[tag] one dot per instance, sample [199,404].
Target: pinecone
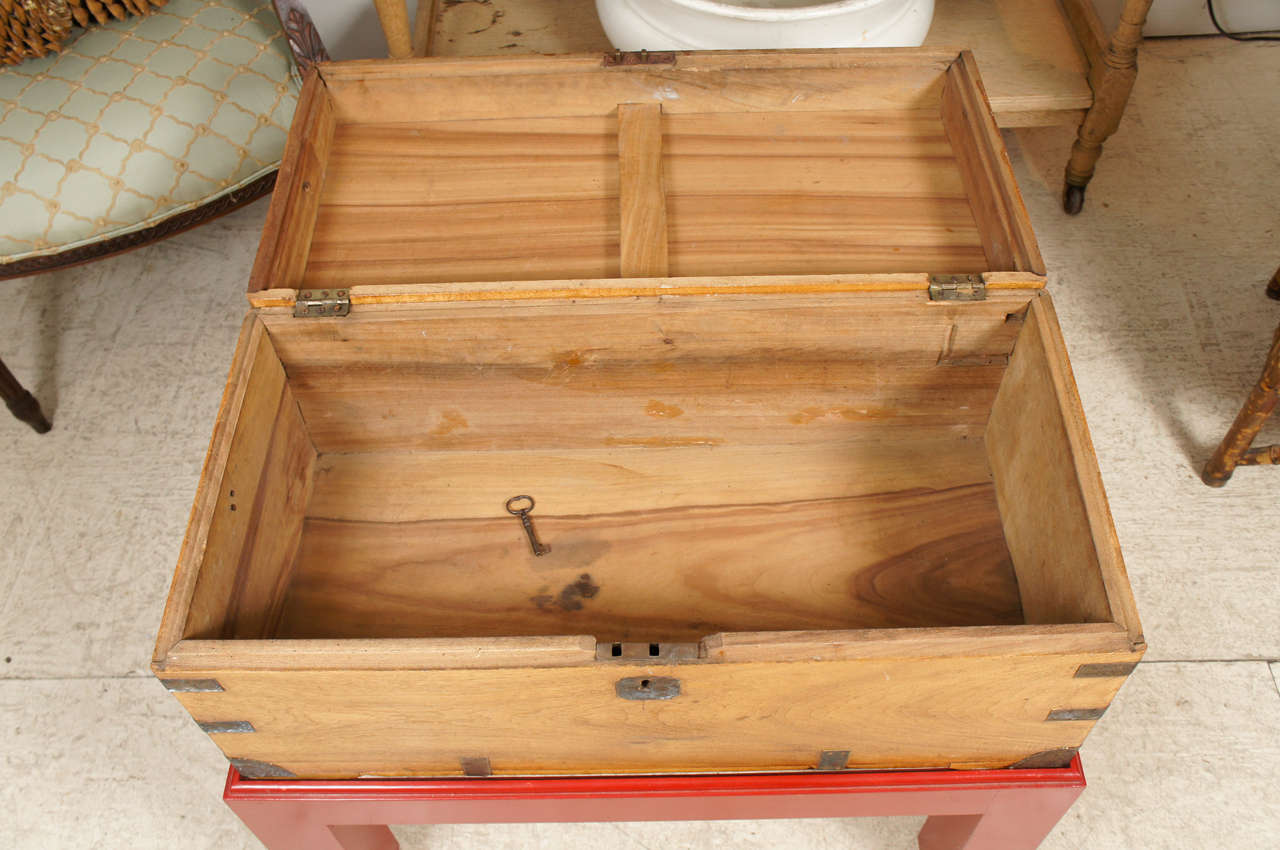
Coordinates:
[32,28]
[88,11]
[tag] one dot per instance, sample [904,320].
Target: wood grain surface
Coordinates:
[608,373]
[286,236]
[912,710]
[928,557]
[205,508]
[384,92]
[754,193]
[642,189]
[997,205]
[229,534]
[412,486]
[1038,466]
[1033,67]
[275,531]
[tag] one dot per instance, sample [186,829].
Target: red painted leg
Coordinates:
[365,837]
[281,825]
[1017,819]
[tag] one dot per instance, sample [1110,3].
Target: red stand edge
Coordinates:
[1012,809]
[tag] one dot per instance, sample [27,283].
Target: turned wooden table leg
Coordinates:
[1112,80]
[1234,450]
[22,404]
[1273,286]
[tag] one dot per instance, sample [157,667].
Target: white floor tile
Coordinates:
[109,763]
[1187,756]
[1159,285]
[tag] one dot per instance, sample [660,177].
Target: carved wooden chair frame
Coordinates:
[307,49]
[1235,449]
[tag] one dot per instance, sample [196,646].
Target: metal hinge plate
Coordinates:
[957,287]
[321,303]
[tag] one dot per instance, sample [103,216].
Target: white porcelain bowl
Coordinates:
[763,24]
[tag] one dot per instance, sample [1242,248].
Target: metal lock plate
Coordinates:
[648,687]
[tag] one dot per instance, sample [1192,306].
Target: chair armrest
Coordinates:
[304,40]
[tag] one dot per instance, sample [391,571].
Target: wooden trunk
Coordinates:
[807,507]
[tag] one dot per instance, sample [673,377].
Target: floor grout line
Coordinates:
[4,679]
[1259,660]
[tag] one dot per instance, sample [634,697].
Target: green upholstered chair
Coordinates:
[142,128]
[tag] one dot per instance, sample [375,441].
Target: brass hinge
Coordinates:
[319,303]
[641,57]
[957,287]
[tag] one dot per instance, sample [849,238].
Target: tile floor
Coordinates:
[1160,290]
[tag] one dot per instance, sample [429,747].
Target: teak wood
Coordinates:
[1046,61]
[796,505]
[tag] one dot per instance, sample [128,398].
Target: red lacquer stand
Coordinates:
[967,809]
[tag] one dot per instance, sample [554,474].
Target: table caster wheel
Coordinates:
[1072,199]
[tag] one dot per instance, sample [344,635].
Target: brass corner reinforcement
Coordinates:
[254,769]
[192,686]
[1106,670]
[476,766]
[957,287]
[225,727]
[321,303]
[1074,714]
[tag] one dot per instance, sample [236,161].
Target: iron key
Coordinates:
[523,513]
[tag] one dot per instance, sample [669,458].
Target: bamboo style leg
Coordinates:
[22,404]
[394,17]
[1112,82]
[1234,450]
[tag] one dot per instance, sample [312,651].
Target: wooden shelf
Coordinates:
[1034,71]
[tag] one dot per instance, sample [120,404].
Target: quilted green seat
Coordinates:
[138,121]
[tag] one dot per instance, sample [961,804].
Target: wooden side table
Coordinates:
[1043,62]
[1011,809]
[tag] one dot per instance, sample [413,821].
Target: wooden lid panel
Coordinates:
[558,168]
